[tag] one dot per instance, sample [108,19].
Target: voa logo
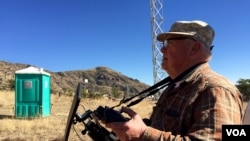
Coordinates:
[236,132]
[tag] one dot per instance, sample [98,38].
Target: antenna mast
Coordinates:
[156,8]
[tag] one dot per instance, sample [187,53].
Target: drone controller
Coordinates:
[90,119]
[108,115]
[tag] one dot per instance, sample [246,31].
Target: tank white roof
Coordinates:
[31,70]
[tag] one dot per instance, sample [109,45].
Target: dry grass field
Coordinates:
[50,128]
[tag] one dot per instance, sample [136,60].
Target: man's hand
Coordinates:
[130,130]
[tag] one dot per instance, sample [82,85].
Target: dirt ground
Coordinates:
[52,128]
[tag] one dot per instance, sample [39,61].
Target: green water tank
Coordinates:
[32,93]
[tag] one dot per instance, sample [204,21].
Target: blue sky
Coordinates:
[63,35]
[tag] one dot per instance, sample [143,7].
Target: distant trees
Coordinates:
[242,84]
[244,87]
[116,92]
[11,84]
[8,85]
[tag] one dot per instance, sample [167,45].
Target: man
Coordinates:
[197,102]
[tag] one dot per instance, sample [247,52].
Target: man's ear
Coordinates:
[196,48]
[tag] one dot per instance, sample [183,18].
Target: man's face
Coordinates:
[176,55]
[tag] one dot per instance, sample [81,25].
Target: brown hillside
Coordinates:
[100,80]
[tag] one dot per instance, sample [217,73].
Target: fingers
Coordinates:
[116,125]
[126,110]
[129,111]
[132,114]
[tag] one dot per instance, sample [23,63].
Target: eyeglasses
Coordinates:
[165,42]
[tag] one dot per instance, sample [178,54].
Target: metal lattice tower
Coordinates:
[156,8]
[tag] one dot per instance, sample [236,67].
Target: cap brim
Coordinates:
[164,36]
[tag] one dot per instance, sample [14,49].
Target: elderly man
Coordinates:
[197,102]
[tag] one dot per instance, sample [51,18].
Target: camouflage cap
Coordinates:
[196,29]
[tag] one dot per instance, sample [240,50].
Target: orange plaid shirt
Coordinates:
[196,109]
